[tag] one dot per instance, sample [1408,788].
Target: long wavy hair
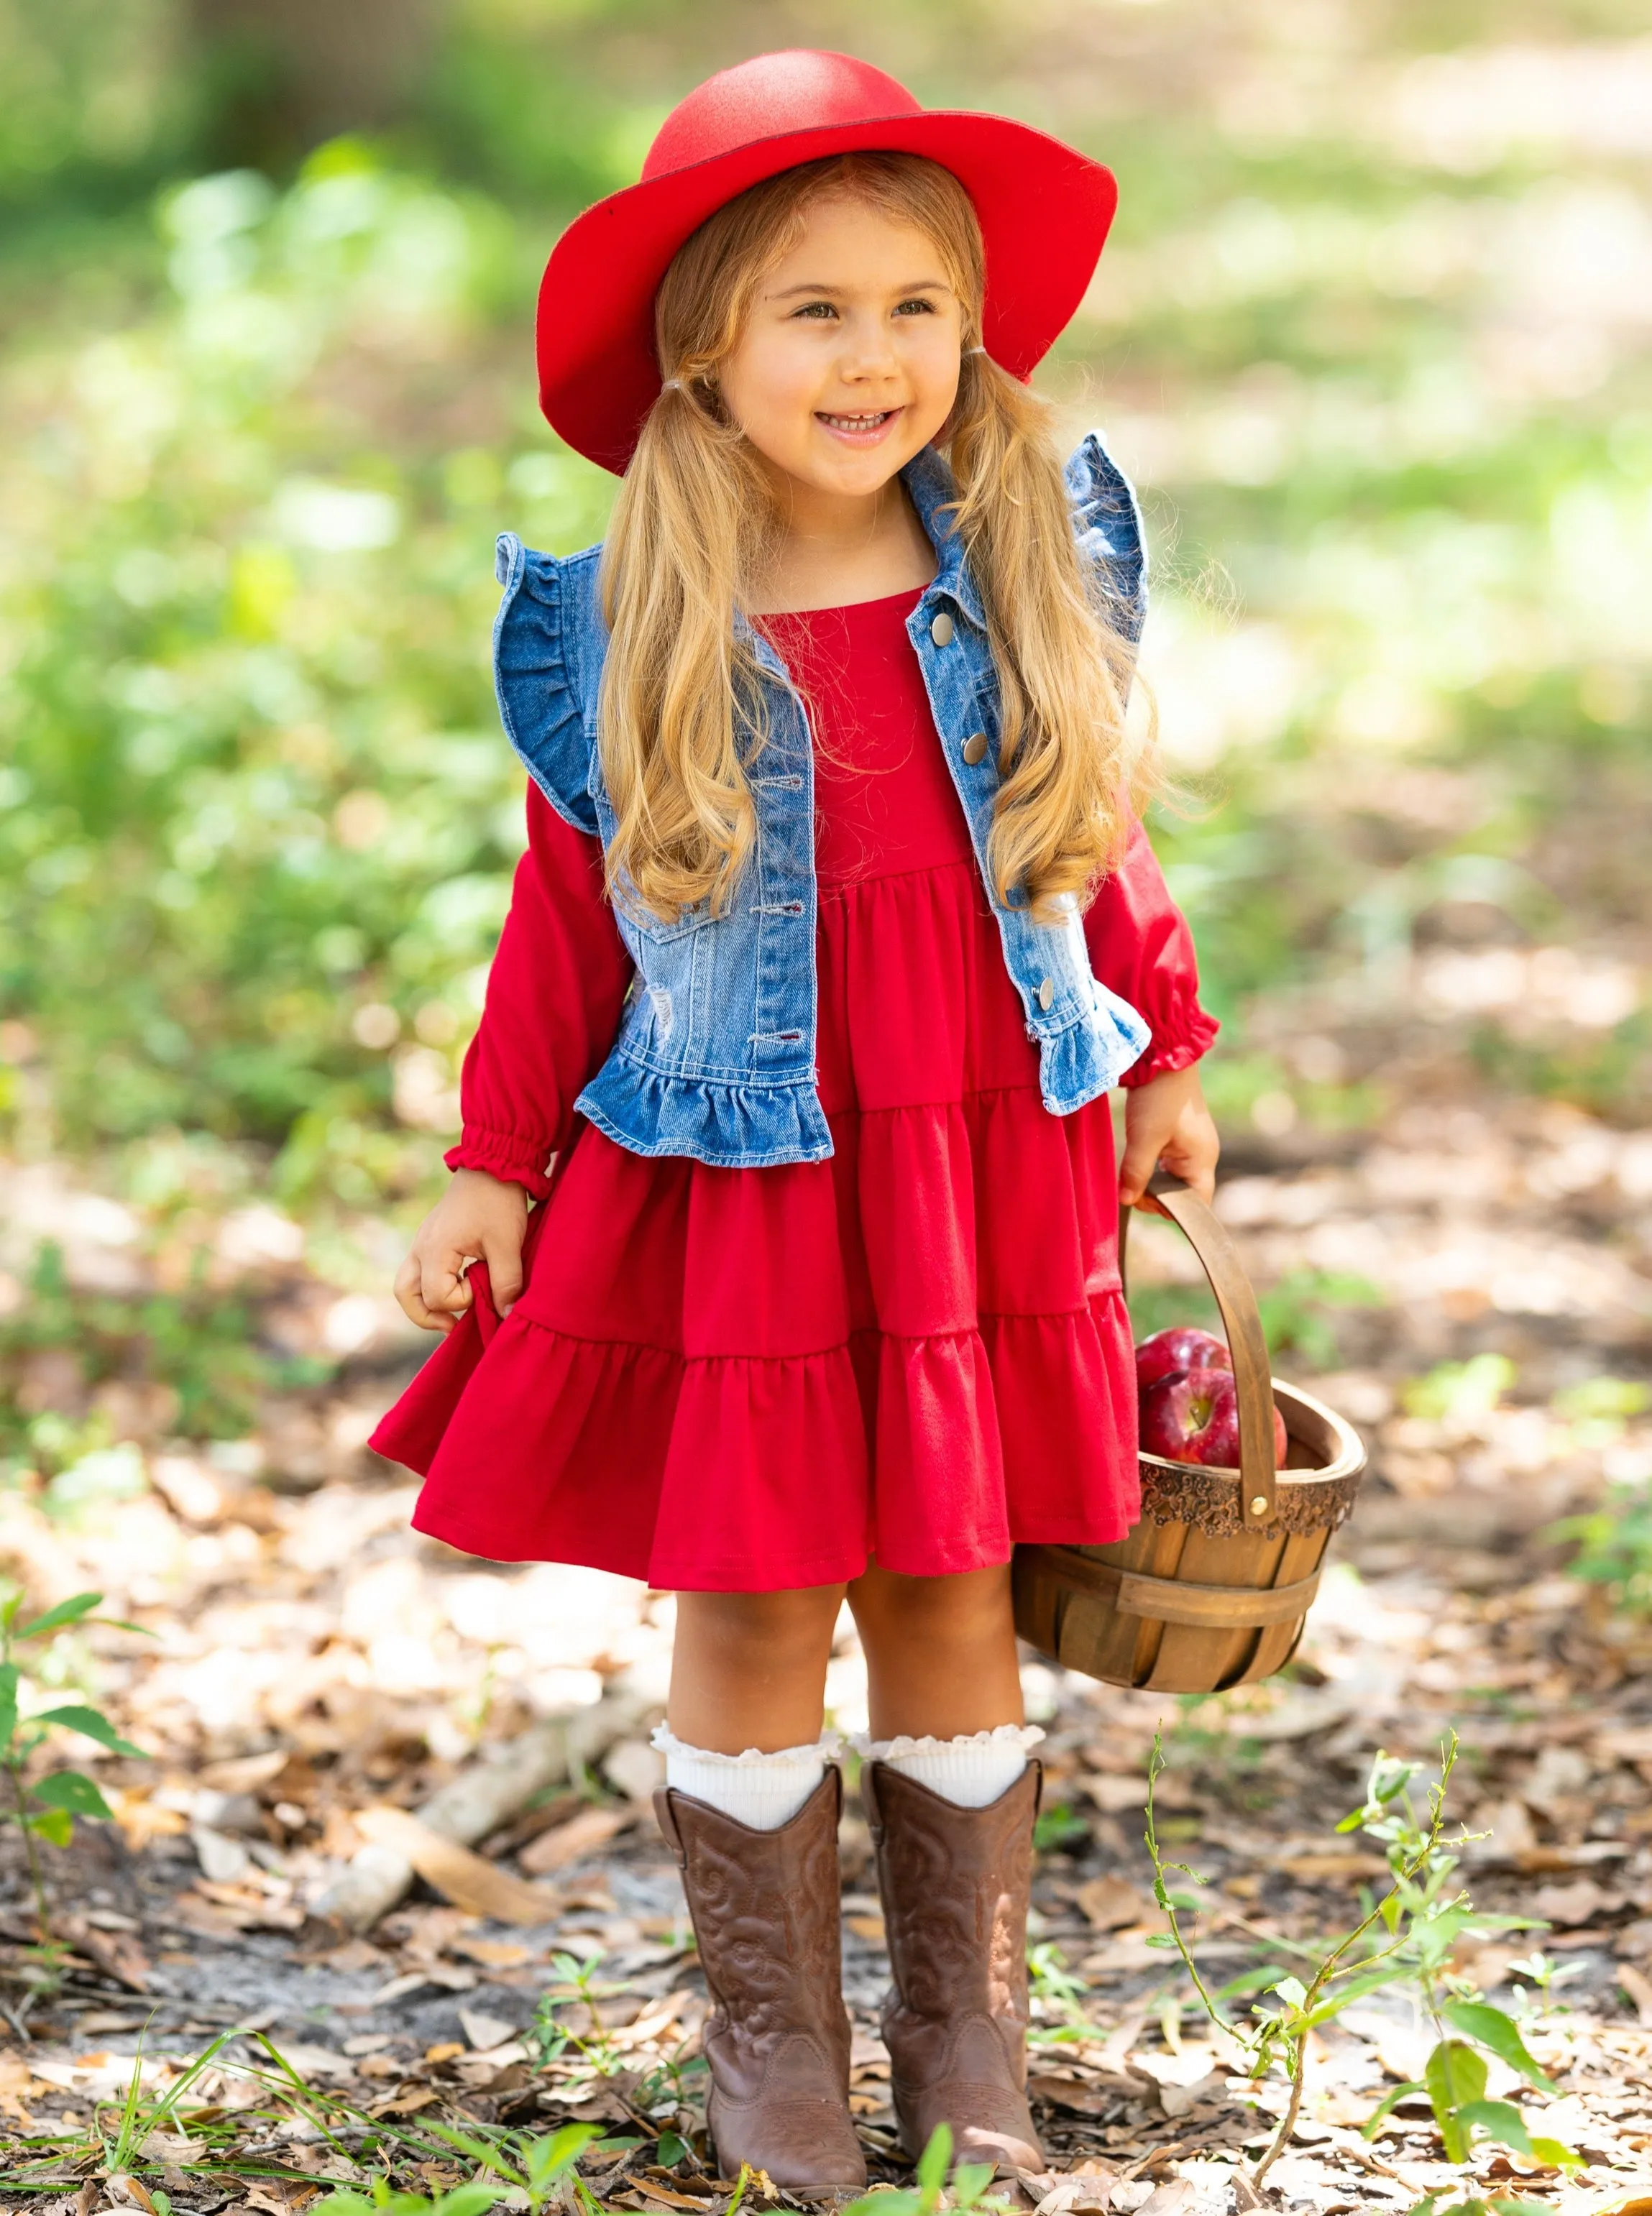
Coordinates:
[680,697]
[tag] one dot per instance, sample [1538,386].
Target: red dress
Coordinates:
[745,1380]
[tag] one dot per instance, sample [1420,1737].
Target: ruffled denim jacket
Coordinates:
[715,1057]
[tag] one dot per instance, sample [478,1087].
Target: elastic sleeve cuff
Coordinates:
[1170,1052]
[504,1155]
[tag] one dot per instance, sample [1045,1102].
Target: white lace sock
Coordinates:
[971,1771]
[762,1791]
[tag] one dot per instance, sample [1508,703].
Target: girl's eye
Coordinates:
[815,310]
[918,307]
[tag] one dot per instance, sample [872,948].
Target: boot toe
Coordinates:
[1005,2149]
[806,2147]
[990,2123]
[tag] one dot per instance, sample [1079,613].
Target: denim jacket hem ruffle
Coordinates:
[758,1126]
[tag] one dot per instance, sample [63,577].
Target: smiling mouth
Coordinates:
[866,424]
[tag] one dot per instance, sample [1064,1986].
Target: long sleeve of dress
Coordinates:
[1141,948]
[555,992]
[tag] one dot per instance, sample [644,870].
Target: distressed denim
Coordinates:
[716,1053]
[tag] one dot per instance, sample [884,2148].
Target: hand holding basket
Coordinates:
[1213,1585]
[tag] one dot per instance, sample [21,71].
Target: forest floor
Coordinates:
[309,1673]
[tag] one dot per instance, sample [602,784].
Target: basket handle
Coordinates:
[1219,1258]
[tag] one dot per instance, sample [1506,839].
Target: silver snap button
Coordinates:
[975,747]
[1046,992]
[941,630]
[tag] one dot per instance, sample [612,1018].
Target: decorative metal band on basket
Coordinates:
[1213,1585]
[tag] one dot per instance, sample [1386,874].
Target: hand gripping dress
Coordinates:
[748,1380]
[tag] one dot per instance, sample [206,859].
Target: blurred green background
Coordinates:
[1374,334]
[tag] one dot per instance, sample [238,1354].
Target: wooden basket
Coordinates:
[1213,1585]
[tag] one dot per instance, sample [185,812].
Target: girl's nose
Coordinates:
[868,351]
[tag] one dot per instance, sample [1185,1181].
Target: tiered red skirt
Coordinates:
[747,1380]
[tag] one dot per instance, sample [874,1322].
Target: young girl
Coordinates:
[786,1146]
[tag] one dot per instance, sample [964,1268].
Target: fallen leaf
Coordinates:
[1634,1940]
[469,1880]
[1170,2199]
[484,2031]
[1638,1986]
[1180,2100]
[1570,1907]
[638,1769]
[1110,1902]
[1511,1832]
[1088,2096]
[587,1833]
[492,1954]
[117,1954]
[1334,1869]
[1114,1795]
[1069,2196]
[869,1928]
[407,2104]
[658,2016]
[666,2196]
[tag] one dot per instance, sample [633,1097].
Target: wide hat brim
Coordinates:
[1045,210]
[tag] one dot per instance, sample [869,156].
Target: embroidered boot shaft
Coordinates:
[765,1910]
[955,1885]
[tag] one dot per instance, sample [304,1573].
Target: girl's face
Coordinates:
[849,363]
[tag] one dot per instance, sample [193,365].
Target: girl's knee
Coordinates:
[771,1627]
[967,1607]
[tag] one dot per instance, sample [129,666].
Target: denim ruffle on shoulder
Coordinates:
[534,635]
[1107,523]
[1089,1057]
[752,1125]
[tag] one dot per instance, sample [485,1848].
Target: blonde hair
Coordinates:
[695,515]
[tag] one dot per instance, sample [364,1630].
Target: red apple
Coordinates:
[1182,1347]
[1192,1415]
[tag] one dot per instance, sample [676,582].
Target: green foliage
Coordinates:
[196,1342]
[260,823]
[1060,1828]
[1292,1311]
[1614,1546]
[1460,1392]
[529,2173]
[45,1807]
[1407,1937]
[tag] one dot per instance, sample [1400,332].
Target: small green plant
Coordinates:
[548,2035]
[1407,1936]
[529,2174]
[933,2189]
[45,1807]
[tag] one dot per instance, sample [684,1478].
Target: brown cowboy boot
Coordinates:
[955,1883]
[765,1909]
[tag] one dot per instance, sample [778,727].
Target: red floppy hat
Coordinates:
[1044,210]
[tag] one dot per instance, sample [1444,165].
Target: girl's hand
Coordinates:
[478,1218]
[1166,1121]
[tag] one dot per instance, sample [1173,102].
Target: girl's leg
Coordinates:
[952,1821]
[750,1810]
[749,1668]
[940,1652]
